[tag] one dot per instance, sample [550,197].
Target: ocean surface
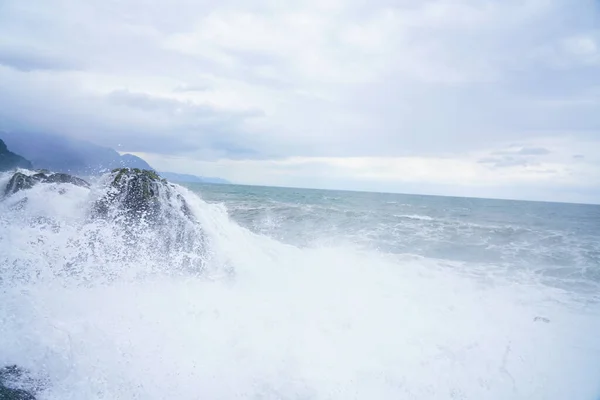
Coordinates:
[303,294]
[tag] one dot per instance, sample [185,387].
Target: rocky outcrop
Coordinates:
[144,210]
[20,181]
[133,191]
[7,393]
[10,160]
[139,193]
[137,190]
[151,212]
[158,227]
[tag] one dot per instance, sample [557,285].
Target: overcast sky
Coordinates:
[492,98]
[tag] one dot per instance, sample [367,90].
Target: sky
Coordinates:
[485,98]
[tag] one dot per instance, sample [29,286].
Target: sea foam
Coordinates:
[268,320]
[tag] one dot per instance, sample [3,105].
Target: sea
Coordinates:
[303,294]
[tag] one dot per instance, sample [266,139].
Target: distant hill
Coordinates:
[131,161]
[10,160]
[61,154]
[77,157]
[185,178]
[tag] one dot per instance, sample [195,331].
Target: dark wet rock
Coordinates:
[151,213]
[137,190]
[139,193]
[19,181]
[63,178]
[10,160]
[16,384]
[148,218]
[14,394]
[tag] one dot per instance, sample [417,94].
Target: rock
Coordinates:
[10,160]
[19,181]
[150,212]
[12,382]
[148,219]
[138,192]
[63,178]
[132,190]
[14,394]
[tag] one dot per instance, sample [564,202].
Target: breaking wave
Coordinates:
[196,306]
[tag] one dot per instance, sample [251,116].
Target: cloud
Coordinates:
[515,156]
[34,59]
[533,151]
[577,50]
[232,81]
[186,88]
[148,103]
[122,119]
[517,151]
[507,161]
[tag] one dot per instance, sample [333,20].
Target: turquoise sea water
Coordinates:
[303,294]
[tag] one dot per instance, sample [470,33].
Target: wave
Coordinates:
[415,217]
[263,319]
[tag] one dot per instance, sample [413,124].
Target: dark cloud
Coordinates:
[27,59]
[533,151]
[516,156]
[127,121]
[523,151]
[197,126]
[199,129]
[505,161]
[146,102]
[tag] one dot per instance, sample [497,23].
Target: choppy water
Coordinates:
[306,294]
[558,243]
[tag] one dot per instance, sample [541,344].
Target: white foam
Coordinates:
[415,217]
[273,321]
